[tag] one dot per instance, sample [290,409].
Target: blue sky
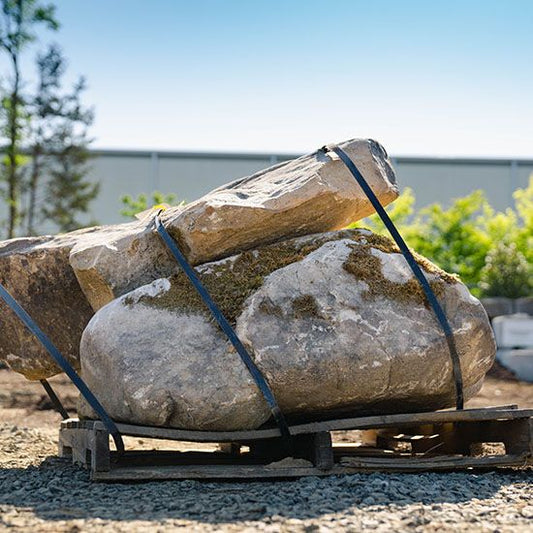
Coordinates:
[423,77]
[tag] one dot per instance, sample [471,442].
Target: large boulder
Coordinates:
[37,273]
[336,322]
[313,193]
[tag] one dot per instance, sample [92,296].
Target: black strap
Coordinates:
[56,402]
[417,271]
[227,329]
[65,366]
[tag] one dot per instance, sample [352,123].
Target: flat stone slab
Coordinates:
[313,193]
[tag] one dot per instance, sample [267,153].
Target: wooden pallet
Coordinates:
[414,442]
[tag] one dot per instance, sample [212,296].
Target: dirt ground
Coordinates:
[25,403]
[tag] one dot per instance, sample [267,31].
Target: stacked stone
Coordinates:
[333,318]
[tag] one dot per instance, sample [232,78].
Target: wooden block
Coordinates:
[64,445]
[316,447]
[231,448]
[323,451]
[517,435]
[100,453]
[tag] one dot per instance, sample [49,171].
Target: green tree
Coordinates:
[59,147]
[454,238]
[524,207]
[506,272]
[68,193]
[45,109]
[18,23]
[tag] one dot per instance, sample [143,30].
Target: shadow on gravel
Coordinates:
[57,490]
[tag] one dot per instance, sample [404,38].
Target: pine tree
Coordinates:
[67,192]
[58,148]
[45,110]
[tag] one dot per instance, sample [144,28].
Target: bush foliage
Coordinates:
[491,251]
[506,272]
[133,206]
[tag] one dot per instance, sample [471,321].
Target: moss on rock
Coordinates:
[367,267]
[305,306]
[230,282]
[270,308]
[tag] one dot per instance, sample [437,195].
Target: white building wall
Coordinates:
[190,175]
[442,180]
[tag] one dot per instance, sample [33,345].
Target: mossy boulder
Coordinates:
[335,321]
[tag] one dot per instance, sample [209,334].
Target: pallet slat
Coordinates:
[367,422]
[456,433]
[356,465]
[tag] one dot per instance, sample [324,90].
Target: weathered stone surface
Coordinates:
[336,322]
[118,259]
[310,194]
[37,273]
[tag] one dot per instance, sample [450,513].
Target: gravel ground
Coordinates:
[39,492]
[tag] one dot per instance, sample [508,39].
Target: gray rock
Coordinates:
[336,322]
[147,377]
[313,193]
[36,272]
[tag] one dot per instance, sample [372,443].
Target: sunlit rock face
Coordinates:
[313,193]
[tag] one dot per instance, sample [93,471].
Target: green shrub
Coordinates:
[506,273]
[454,238]
[524,208]
[459,239]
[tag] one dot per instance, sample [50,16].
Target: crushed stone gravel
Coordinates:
[40,492]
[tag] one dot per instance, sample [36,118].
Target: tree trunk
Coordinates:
[12,176]
[34,179]
[13,127]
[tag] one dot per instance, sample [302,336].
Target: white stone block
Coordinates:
[513,331]
[520,362]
